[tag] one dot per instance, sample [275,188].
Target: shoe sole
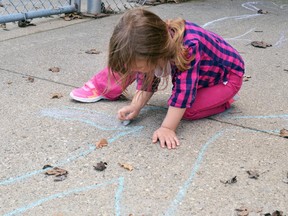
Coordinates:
[86,100]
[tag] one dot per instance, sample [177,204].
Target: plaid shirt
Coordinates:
[213,60]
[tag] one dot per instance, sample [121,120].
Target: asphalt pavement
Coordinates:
[233,163]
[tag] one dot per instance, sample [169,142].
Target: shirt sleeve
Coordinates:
[185,82]
[143,85]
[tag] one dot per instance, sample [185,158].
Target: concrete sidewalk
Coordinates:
[38,130]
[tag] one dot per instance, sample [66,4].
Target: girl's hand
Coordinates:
[128,112]
[166,137]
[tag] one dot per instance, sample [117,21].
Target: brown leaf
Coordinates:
[277,213]
[260,44]
[54,69]
[56,96]
[253,174]
[262,11]
[30,79]
[126,166]
[242,211]
[71,16]
[100,166]
[230,181]
[92,51]
[100,144]
[56,171]
[3,26]
[25,23]
[246,78]
[284,133]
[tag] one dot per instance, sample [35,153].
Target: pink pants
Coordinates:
[209,101]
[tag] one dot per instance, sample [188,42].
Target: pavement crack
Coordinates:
[36,77]
[242,126]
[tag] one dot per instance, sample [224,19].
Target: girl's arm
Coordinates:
[173,117]
[141,98]
[166,133]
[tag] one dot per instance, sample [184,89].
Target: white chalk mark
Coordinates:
[275,4]
[245,16]
[281,40]
[283,6]
[250,6]
[240,36]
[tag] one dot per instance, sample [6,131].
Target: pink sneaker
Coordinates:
[86,94]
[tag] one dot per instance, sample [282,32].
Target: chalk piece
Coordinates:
[125,123]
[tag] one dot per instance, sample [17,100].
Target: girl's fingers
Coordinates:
[162,142]
[129,115]
[120,115]
[177,141]
[154,137]
[171,142]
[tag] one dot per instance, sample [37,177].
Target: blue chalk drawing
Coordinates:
[99,120]
[118,193]
[66,114]
[96,119]
[83,152]
[281,116]
[105,122]
[254,7]
[183,190]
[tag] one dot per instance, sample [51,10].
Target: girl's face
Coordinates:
[142,66]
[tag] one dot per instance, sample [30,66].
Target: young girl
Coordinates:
[206,71]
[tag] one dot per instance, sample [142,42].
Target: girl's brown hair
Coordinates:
[141,34]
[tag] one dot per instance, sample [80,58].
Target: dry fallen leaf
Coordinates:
[275,213]
[246,78]
[3,26]
[92,51]
[278,213]
[284,133]
[56,171]
[262,11]
[100,166]
[230,181]
[56,96]
[242,211]
[260,44]
[126,166]
[253,174]
[25,23]
[30,79]
[103,142]
[54,69]
[60,174]
[71,16]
